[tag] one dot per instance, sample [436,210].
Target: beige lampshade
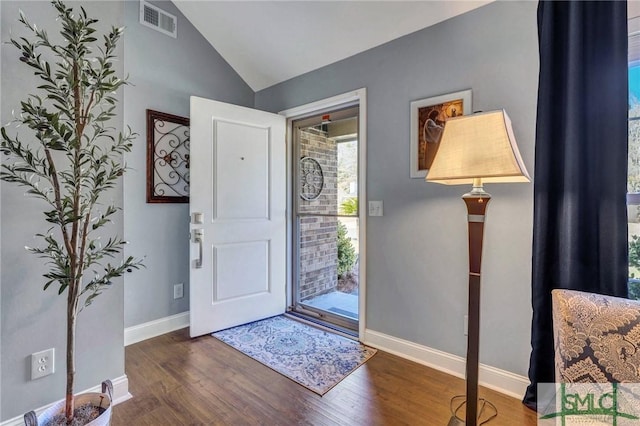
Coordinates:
[482,146]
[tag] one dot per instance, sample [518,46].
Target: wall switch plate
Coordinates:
[178,291]
[375,208]
[42,363]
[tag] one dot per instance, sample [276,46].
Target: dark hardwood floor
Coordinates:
[176,380]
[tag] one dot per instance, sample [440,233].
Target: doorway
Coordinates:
[325,225]
[227,286]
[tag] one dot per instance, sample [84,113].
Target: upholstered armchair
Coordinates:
[596,338]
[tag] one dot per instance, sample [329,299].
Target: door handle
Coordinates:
[198,237]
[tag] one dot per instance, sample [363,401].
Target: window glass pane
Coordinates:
[633,181]
[317,172]
[328,264]
[348,178]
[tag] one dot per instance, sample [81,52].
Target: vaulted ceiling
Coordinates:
[268,42]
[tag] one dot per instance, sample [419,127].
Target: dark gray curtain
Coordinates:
[580,216]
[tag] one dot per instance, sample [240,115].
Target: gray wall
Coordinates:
[164,73]
[417,253]
[33,320]
[417,279]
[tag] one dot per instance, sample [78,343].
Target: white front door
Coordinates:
[238,223]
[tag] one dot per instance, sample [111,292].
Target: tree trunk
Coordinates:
[71,363]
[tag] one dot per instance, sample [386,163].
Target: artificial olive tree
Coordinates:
[69,158]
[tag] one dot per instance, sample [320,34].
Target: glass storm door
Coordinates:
[325,220]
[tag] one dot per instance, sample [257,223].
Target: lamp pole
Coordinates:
[476,202]
[472,146]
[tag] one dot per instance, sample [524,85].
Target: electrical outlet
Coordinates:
[42,364]
[465,327]
[178,291]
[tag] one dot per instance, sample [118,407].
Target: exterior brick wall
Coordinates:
[318,234]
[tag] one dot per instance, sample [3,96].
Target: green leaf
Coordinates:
[71,160]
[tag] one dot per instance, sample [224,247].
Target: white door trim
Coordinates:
[357,97]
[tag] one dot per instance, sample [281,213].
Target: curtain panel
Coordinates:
[580,216]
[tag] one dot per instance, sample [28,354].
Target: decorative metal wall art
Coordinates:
[311,179]
[167,158]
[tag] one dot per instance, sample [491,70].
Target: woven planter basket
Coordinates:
[96,399]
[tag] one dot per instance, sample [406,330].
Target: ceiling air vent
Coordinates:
[156,18]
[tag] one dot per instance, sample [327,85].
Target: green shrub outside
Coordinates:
[349,206]
[346,252]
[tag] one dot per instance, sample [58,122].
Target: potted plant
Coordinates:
[71,159]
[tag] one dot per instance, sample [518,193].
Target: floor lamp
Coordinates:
[476,149]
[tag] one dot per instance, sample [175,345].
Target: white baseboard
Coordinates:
[120,394]
[150,329]
[499,380]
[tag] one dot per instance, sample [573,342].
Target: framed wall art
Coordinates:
[167,158]
[427,121]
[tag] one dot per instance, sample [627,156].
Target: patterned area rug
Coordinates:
[316,359]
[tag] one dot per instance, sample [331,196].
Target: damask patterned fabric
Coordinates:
[596,338]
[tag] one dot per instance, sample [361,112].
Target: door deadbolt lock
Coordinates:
[197,218]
